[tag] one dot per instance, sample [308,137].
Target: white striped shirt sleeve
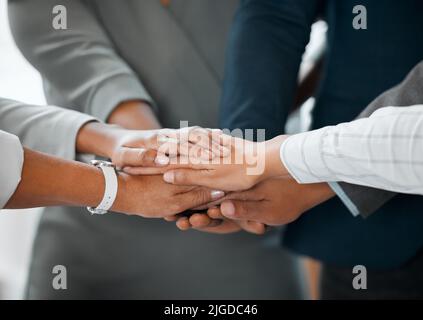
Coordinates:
[384,151]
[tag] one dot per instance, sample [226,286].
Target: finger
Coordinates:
[201,137]
[188,177]
[183,141]
[210,139]
[183,224]
[135,157]
[168,141]
[187,149]
[252,194]
[249,226]
[173,163]
[208,205]
[197,197]
[215,213]
[171,218]
[139,171]
[221,227]
[169,146]
[221,150]
[223,141]
[201,220]
[212,204]
[198,152]
[201,208]
[215,142]
[253,227]
[240,210]
[191,161]
[226,140]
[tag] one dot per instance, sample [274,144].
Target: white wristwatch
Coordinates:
[111,187]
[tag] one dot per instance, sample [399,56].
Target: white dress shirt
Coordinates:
[384,151]
[48,129]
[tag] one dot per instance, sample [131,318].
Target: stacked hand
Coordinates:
[235,166]
[273,202]
[259,190]
[140,148]
[153,150]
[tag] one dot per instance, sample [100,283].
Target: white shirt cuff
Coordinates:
[302,156]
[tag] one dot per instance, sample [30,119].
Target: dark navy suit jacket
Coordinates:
[264,53]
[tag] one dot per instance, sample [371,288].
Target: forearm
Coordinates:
[103,139]
[136,114]
[98,138]
[50,181]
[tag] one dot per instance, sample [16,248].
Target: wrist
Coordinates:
[123,197]
[85,175]
[98,138]
[274,167]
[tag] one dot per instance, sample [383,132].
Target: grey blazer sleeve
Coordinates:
[409,92]
[80,62]
[47,129]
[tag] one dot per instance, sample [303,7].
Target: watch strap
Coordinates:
[110,187]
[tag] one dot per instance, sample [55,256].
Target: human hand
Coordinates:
[247,164]
[147,148]
[138,114]
[150,197]
[151,148]
[273,202]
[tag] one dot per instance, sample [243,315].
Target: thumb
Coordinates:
[134,157]
[247,225]
[198,197]
[187,177]
[253,227]
[239,210]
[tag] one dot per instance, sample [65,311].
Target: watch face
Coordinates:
[101,163]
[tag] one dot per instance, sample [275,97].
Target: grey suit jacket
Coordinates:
[407,93]
[48,129]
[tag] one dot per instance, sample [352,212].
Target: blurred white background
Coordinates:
[19,81]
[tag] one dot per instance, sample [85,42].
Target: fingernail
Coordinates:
[169,177]
[161,160]
[216,194]
[228,209]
